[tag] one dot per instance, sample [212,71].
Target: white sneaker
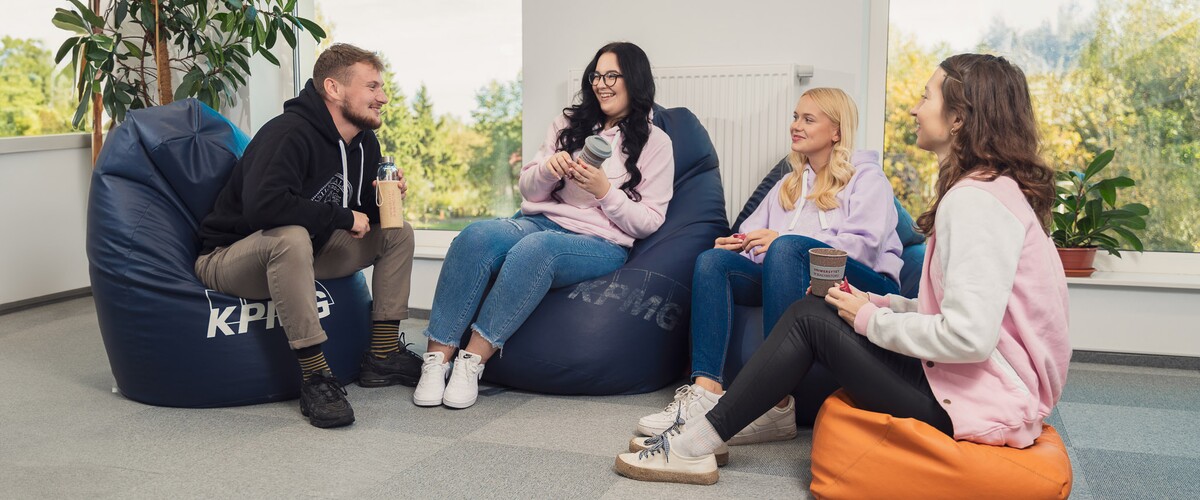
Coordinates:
[641,442]
[432,385]
[660,462]
[777,424]
[695,402]
[463,388]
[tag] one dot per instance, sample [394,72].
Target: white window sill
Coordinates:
[1180,271]
[36,143]
[1141,280]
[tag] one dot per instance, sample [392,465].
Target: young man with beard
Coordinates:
[299,206]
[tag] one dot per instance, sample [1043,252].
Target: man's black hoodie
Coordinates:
[292,174]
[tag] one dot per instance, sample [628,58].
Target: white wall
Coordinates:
[560,36]
[43,214]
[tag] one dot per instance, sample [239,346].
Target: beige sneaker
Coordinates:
[661,463]
[640,443]
[777,424]
[691,401]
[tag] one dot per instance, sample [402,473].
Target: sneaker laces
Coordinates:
[328,387]
[660,443]
[404,347]
[675,428]
[683,396]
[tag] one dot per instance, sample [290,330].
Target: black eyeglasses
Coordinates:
[610,78]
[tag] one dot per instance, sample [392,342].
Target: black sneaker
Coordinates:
[323,401]
[400,367]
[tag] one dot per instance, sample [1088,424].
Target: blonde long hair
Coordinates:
[840,108]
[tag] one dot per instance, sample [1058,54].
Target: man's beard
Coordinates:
[363,121]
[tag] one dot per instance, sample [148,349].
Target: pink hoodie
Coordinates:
[990,323]
[615,217]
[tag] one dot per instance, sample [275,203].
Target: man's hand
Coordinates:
[403,185]
[362,225]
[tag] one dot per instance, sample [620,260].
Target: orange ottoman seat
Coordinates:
[862,454]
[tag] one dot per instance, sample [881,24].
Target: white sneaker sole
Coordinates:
[763,436]
[643,474]
[650,431]
[427,402]
[459,405]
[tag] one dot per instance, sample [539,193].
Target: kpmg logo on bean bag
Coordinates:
[637,292]
[231,315]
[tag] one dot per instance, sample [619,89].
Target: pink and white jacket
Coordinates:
[615,217]
[990,323]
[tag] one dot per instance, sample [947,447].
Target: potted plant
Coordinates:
[124,56]
[1087,218]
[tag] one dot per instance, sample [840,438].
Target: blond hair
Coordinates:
[840,108]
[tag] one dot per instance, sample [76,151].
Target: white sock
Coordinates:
[699,438]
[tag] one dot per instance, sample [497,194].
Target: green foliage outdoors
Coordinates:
[35,98]
[456,172]
[1087,213]
[113,53]
[1126,78]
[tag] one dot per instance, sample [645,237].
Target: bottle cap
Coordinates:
[386,159]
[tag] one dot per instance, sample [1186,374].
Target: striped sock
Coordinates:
[385,338]
[312,361]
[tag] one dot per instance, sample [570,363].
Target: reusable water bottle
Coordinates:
[387,194]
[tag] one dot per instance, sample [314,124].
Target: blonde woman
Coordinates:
[834,197]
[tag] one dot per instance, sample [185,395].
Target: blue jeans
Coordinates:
[723,278]
[526,256]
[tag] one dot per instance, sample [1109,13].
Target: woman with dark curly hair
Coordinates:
[982,353]
[577,222]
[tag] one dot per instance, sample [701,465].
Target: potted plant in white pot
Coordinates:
[1087,217]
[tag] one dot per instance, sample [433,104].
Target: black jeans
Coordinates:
[876,379]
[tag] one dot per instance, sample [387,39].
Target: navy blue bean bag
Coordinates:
[747,321]
[627,332]
[170,341]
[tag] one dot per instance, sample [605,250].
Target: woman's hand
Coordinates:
[731,243]
[558,164]
[591,179]
[847,303]
[759,240]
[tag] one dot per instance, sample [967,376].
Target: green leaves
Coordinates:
[1087,213]
[211,42]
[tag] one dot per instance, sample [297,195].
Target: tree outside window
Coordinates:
[1108,74]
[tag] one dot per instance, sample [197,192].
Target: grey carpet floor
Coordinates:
[1132,432]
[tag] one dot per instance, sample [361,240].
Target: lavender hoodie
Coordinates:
[615,217]
[863,224]
[990,323]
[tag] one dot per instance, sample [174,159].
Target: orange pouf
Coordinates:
[862,454]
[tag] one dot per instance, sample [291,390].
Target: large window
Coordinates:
[36,97]
[1119,74]
[454,120]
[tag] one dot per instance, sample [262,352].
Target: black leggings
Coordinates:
[876,379]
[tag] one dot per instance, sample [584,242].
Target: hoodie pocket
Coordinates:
[1009,373]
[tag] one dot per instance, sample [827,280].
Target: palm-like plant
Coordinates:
[126,54]
[1086,212]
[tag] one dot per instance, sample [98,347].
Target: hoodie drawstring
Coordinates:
[362,160]
[345,176]
[802,200]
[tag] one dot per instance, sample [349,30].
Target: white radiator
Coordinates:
[746,110]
